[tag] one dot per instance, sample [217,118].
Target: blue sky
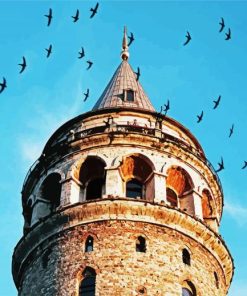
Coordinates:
[50,91]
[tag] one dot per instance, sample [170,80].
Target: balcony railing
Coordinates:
[123,129]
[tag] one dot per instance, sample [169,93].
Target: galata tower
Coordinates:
[122,201]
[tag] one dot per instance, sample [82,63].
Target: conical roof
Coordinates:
[124,89]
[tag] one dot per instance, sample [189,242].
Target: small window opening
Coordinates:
[171,197]
[186,257]
[186,292]
[141,244]
[130,95]
[94,189]
[188,289]
[134,188]
[216,280]
[87,286]
[89,244]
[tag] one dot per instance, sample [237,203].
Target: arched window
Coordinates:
[89,244]
[186,292]
[216,280]
[141,244]
[87,286]
[188,289]
[171,197]
[137,172]
[180,189]
[51,190]
[94,189]
[134,188]
[186,256]
[92,178]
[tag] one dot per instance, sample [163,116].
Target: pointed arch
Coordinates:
[88,283]
[188,289]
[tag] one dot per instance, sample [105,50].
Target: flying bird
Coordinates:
[81,53]
[188,38]
[76,17]
[221,166]
[199,117]
[86,95]
[138,74]
[89,64]
[49,51]
[222,25]
[228,34]
[167,106]
[245,165]
[94,10]
[49,17]
[131,38]
[216,103]
[23,65]
[231,131]
[3,85]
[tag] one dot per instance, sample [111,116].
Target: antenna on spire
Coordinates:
[125,52]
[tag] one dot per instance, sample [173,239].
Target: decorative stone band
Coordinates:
[121,209]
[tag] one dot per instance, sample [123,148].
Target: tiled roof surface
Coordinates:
[113,96]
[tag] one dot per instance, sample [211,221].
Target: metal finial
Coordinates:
[125,52]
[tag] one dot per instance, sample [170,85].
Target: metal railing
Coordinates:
[125,129]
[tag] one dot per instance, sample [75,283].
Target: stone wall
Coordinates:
[58,265]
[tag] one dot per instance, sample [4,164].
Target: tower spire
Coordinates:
[125,52]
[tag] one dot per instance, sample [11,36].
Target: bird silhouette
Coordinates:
[49,17]
[76,17]
[231,131]
[3,85]
[49,51]
[23,65]
[131,38]
[86,95]
[221,166]
[81,53]
[167,106]
[138,74]
[188,38]
[200,117]
[228,34]
[245,165]
[89,64]
[216,103]
[222,25]
[94,10]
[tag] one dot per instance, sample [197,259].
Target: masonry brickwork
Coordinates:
[79,187]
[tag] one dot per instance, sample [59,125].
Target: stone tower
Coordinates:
[123,202]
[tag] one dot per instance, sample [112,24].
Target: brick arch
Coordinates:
[136,165]
[138,168]
[76,167]
[179,180]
